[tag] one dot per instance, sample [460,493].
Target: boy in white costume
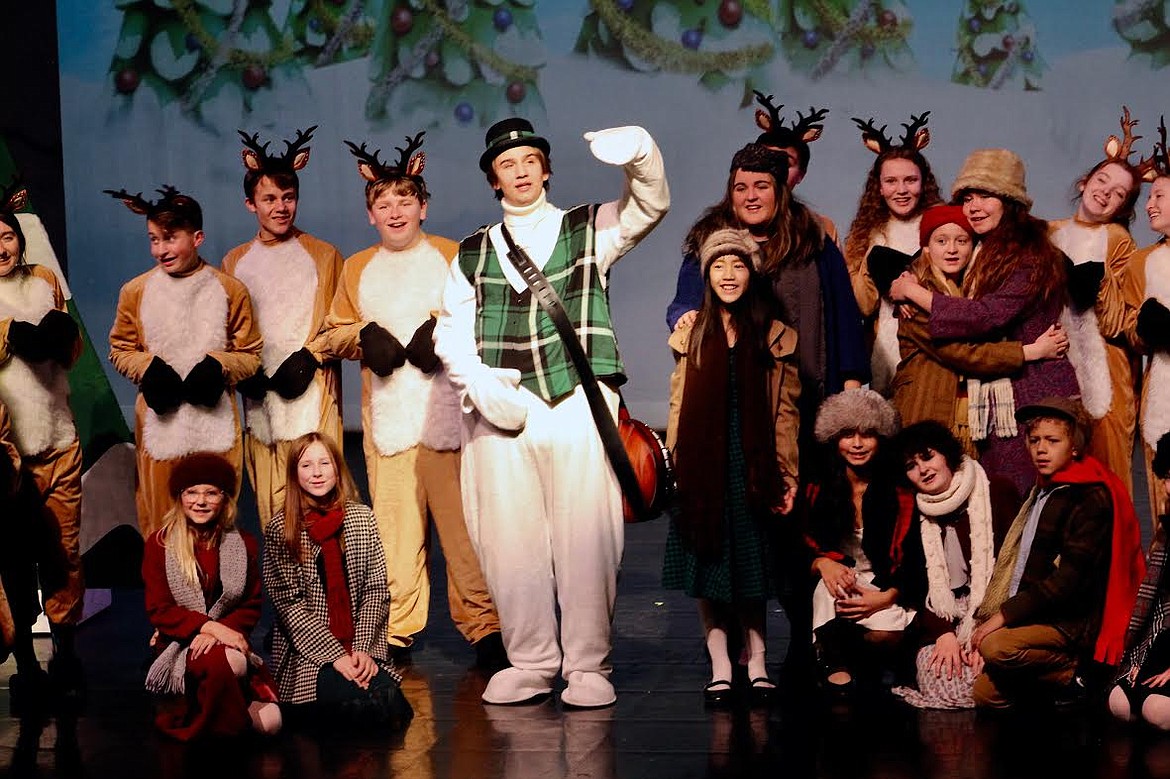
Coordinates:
[543,506]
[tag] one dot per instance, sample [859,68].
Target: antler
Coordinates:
[1158,163]
[909,138]
[14,196]
[814,120]
[1120,149]
[873,138]
[253,142]
[364,156]
[412,145]
[135,203]
[294,146]
[772,120]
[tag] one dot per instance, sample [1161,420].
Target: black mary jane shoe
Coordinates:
[763,691]
[717,693]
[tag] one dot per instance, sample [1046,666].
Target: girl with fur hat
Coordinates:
[325,571]
[1013,289]
[202,579]
[856,517]
[735,382]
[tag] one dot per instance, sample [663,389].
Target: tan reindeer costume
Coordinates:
[1095,322]
[185,338]
[388,297]
[291,278]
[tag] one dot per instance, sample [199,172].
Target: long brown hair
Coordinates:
[1125,214]
[1020,240]
[179,536]
[297,502]
[872,211]
[752,314]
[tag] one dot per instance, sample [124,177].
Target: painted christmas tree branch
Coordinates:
[1006,69]
[843,38]
[341,33]
[376,101]
[222,52]
[477,51]
[1131,13]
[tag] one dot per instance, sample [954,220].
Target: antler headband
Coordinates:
[1119,149]
[295,157]
[140,205]
[1158,163]
[806,128]
[916,137]
[13,197]
[371,167]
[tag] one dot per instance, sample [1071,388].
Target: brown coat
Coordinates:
[927,381]
[783,392]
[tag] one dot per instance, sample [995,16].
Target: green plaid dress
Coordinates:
[743,570]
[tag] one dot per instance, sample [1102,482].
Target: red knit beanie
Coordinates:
[203,468]
[937,216]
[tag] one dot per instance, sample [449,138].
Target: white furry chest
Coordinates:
[398,291]
[183,319]
[1082,243]
[1156,404]
[901,236]
[36,394]
[1086,346]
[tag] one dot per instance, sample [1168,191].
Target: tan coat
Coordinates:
[783,392]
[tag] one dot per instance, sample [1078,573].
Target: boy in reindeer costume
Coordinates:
[184,333]
[1100,252]
[291,277]
[410,413]
[39,342]
[543,505]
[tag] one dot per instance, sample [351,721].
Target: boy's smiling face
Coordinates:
[176,251]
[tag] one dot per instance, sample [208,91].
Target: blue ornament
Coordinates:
[464,112]
[625,5]
[192,42]
[502,19]
[974,25]
[982,69]
[315,24]
[692,38]
[1027,56]
[811,39]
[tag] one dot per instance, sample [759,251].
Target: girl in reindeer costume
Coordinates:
[1096,239]
[410,412]
[291,277]
[884,234]
[184,333]
[39,342]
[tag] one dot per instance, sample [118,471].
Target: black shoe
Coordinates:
[29,693]
[717,693]
[68,684]
[400,655]
[490,655]
[1073,695]
[763,691]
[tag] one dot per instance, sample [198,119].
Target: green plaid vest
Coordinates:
[512,330]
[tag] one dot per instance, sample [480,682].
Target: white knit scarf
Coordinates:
[969,488]
[991,407]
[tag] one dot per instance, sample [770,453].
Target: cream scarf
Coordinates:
[969,488]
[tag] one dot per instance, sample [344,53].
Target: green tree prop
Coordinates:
[1145,25]
[823,36]
[997,46]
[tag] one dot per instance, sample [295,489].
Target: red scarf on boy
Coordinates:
[324,528]
[1127,565]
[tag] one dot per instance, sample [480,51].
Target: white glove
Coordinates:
[619,145]
[496,396]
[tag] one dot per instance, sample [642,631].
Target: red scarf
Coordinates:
[324,528]
[1127,566]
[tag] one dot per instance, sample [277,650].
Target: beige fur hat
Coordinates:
[728,241]
[856,409]
[998,171]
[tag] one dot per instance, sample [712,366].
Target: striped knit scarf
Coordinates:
[991,408]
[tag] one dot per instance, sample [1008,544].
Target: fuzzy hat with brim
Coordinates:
[729,241]
[856,409]
[508,134]
[203,468]
[1069,409]
[937,216]
[997,171]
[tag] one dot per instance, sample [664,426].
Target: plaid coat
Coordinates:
[1151,610]
[303,643]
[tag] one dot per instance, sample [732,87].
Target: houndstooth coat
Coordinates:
[302,643]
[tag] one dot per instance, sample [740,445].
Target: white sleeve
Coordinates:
[621,223]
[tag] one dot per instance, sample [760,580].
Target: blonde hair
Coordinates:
[297,502]
[179,537]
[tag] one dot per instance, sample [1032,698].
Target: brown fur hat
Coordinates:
[998,171]
[729,241]
[203,468]
[856,409]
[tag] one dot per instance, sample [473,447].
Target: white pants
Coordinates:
[544,512]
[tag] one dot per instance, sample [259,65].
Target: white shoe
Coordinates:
[516,685]
[588,690]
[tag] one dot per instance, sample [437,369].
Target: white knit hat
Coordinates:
[729,241]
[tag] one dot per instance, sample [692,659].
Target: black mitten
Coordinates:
[382,353]
[255,387]
[1084,282]
[9,476]
[24,340]
[59,334]
[885,265]
[161,387]
[295,374]
[205,383]
[421,349]
[1153,324]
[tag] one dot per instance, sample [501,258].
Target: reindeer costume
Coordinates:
[291,279]
[185,340]
[1095,321]
[888,253]
[410,415]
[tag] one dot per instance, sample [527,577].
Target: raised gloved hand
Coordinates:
[382,353]
[496,395]
[295,374]
[24,341]
[205,383]
[421,349]
[885,265]
[59,334]
[1084,282]
[161,387]
[255,387]
[619,145]
[1153,324]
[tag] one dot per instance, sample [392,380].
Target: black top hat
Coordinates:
[508,134]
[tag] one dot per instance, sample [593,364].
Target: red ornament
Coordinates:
[730,13]
[1008,42]
[401,21]
[254,77]
[516,91]
[127,80]
[887,19]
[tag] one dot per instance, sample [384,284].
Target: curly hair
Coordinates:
[1125,213]
[872,211]
[1020,240]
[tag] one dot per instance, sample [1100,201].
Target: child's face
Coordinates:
[398,219]
[857,448]
[201,503]
[1158,205]
[1103,195]
[176,251]
[729,277]
[316,471]
[520,175]
[949,250]
[1050,445]
[275,208]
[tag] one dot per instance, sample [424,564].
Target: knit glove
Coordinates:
[1084,282]
[496,395]
[885,265]
[161,387]
[24,340]
[205,383]
[59,334]
[1153,324]
[295,374]
[421,349]
[255,387]
[619,145]
[382,353]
